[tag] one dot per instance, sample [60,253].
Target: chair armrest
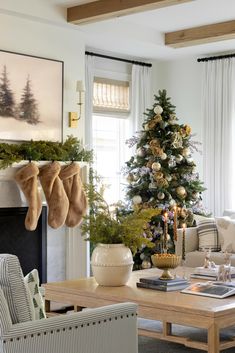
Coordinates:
[191,240]
[102,330]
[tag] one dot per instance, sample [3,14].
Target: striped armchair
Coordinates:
[110,329]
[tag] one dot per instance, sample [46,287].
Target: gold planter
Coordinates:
[166,262]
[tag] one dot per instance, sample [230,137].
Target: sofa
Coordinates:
[194,256]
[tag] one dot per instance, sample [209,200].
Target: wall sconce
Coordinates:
[74,116]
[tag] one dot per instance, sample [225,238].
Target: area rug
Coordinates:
[152,345]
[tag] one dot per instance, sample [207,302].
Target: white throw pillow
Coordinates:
[226,230]
[208,235]
[32,281]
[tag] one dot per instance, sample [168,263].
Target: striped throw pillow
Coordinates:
[14,290]
[208,235]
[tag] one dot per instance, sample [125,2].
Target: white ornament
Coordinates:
[186,152]
[163,156]
[172,163]
[129,178]
[172,119]
[190,160]
[172,202]
[161,195]
[137,199]
[195,195]
[158,110]
[135,177]
[140,152]
[180,190]
[156,166]
[178,158]
[168,177]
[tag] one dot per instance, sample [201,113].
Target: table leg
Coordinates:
[213,339]
[77,308]
[47,306]
[167,328]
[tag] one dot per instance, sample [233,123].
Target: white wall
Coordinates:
[182,80]
[27,35]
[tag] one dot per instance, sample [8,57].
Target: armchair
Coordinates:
[110,329]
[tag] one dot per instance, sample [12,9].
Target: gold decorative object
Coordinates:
[166,262]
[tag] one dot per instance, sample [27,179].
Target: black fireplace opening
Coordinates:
[29,246]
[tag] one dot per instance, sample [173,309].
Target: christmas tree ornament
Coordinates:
[195,195]
[140,152]
[176,140]
[181,192]
[168,177]
[137,199]
[172,119]
[163,156]
[189,160]
[162,183]
[146,127]
[186,152]
[179,158]
[157,119]
[172,202]
[146,264]
[158,109]
[172,162]
[158,175]
[130,178]
[151,124]
[161,195]
[152,185]
[135,177]
[156,166]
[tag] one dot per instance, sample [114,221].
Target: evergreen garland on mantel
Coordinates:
[70,150]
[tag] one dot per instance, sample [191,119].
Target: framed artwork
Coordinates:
[31,97]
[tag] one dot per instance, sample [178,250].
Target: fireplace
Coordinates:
[29,246]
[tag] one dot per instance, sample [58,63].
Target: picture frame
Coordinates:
[31,97]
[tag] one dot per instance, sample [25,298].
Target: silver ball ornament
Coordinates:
[156,166]
[172,163]
[179,158]
[137,199]
[140,152]
[146,264]
[158,110]
[161,195]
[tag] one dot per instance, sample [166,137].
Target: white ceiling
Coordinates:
[141,35]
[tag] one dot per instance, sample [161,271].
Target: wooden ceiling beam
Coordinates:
[200,35]
[105,9]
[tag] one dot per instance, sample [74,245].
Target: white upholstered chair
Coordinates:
[110,329]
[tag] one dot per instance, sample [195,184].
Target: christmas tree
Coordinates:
[28,108]
[162,173]
[7,103]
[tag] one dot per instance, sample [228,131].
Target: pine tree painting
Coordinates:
[7,103]
[28,107]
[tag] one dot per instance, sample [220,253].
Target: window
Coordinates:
[110,131]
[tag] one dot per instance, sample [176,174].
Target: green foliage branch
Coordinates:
[70,150]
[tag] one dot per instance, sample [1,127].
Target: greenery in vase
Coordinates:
[70,150]
[112,225]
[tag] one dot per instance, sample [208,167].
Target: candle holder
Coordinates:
[166,262]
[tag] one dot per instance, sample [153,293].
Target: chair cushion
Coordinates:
[226,230]
[208,235]
[32,282]
[13,287]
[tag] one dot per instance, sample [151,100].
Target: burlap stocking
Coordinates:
[70,175]
[27,180]
[56,197]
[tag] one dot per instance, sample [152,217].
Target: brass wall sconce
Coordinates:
[75,116]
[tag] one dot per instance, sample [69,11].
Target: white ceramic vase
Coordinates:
[111,264]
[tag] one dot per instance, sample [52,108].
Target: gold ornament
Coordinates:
[158,175]
[185,152]
[176,140]
[156,166]
[180,190]
[163,156]
[162,183]
[137,199]
[157,118]
[146,127]
[154,143]
[151,124]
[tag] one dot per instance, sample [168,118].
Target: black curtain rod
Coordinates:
[211,58]
[118,59]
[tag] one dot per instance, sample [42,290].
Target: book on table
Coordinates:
[163,282]
[162,287]
[209,289]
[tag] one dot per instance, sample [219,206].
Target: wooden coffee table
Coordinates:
[171,308]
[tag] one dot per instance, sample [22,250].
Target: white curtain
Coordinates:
[89,79]
[141,95]
[218,134]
